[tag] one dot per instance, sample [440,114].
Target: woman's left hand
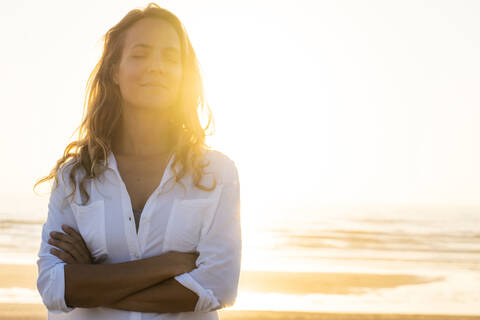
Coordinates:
[71,242]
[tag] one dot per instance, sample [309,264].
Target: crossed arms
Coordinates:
[142,285]
[153,284]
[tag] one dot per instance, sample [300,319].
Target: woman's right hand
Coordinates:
[183,261]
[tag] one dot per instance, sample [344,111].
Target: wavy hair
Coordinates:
[103,111]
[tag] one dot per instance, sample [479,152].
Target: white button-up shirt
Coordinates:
[184,220]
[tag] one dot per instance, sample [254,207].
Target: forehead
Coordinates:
[152,32]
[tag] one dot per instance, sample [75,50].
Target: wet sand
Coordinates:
[286,282]
[325,283]
[38,312]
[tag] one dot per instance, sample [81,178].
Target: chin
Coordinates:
[153,105]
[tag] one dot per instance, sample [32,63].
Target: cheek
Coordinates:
[176,78]
[132,74]
[130,78]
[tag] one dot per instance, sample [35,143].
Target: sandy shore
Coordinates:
[281,315]
[326,283]
[287,282]
[25,276]
[38,312]
[18,275]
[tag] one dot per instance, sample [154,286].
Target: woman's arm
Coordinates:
[112,282]
[168,296]
[216,278]
[110,279]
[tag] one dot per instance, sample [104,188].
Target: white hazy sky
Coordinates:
[318,102]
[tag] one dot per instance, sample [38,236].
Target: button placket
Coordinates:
[136,241]
[130,231]
[144,223]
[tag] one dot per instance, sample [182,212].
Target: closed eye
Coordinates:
[172,59]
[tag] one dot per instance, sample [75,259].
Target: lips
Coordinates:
[154,84]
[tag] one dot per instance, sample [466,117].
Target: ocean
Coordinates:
[440,246]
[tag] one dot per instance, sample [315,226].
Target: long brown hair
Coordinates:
[104,112]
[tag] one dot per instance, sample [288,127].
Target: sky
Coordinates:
[317,102]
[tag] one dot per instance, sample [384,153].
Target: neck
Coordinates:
[143,132]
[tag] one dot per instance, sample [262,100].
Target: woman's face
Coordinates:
[150,68]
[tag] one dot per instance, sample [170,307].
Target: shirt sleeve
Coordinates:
[51,276]
[215,280]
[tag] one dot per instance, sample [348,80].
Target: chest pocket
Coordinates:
[90,220]
[187,223]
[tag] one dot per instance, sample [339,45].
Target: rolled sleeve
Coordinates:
[215,280]
[51,273]
[57,291]
[206,298]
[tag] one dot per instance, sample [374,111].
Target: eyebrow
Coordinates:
[144,45]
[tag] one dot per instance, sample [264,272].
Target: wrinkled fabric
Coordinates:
[173,219]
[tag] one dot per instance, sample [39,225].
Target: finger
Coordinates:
[78,253]
[78,241]
[65,246]
[61,237]
[75,247]
[72,232]
[62,255]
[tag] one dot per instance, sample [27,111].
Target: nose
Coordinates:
[156,64]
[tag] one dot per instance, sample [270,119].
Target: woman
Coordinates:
[143,221]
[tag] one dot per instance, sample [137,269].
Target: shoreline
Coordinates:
[301,283]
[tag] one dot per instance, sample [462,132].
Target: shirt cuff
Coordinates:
[57,275]
[206,299]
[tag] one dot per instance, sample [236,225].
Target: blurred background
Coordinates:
[353,124]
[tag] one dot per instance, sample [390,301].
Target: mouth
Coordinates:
[154,84]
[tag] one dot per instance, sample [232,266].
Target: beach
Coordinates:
[24,276]
[38,312]
[336,266]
